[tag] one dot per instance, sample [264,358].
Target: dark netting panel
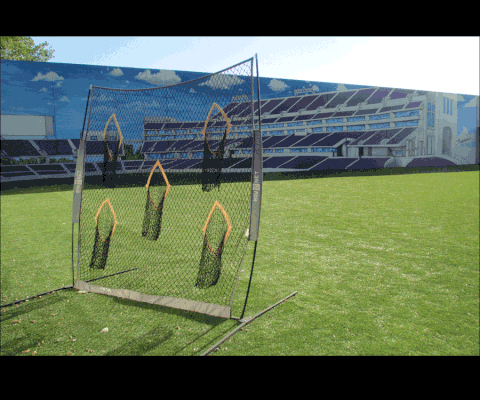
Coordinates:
[177,241]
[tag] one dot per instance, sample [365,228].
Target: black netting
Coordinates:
[180,222]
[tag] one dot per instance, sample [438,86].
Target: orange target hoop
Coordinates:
[119,132]
[163,174]
[229,125]
[217,204]
[113,213]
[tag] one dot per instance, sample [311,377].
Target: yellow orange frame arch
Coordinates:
[204,229]
[119,132]
[229,125]
[113,213]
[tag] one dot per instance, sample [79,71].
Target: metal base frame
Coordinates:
[173,302]
[245,322]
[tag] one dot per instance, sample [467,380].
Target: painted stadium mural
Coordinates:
[306,125]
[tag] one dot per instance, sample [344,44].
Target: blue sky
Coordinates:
[442,64]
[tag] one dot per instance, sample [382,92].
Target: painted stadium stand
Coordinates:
[270,105]
[245,163]
[383,134]
[323,115]
[273,140]
[71,167]
[335,138]
[355,129]
[132,165]
[285,105]
[303,162]
[179,144]
[275,162]
[369,163]
[231,162]
[302,103]
[369,111]
[48,169]
[287,141]
[119,166]
[378,96]
[340,98]
[187,164]
[334,163]
[304,117]
[364,136]
[400,93]
[17,148]
[308,140]
[239,109]
[13,171]
[343,114]
[320,101]
[285,119]
[401,135]
[429,162]
[360,97]
[55,147]
[90,167]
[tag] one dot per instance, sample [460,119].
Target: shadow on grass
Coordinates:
[13,312]
[31,338]
[161,333]
[19,344]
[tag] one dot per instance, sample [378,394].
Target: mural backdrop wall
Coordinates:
[397,127]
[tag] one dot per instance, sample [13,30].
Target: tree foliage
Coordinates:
[23,48]
[129,153]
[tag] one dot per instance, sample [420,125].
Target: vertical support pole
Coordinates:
[477,134]
[257,174]
[78,185]
[257,181]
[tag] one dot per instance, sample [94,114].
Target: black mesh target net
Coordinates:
[170,226]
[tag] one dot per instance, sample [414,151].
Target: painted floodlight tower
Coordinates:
[180,246]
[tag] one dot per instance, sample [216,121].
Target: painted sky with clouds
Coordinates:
[60,88]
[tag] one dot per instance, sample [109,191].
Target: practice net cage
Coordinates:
[149,236]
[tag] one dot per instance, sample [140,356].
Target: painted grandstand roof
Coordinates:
[306,107]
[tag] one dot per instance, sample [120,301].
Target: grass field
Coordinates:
[383,265]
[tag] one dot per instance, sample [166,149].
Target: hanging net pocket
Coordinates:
[213,159]
[105,222]
[216,231]
[156,196]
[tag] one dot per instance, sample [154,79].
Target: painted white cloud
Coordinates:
[341,88]
[316,88]
[49,76]
[161,78]
[64,98]
[192,90]
[222,81]
[116,72]
[277,85]
[465,136]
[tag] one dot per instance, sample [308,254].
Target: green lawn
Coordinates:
[383,265]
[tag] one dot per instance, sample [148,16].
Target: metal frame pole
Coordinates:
[244,323]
